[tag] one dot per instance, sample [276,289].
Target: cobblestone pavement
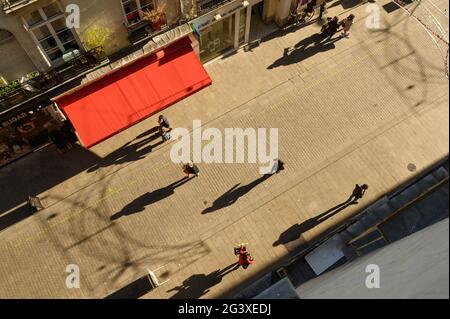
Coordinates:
[350,111]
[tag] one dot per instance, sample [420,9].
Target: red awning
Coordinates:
[135,92]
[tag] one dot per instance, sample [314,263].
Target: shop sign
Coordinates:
[14,119]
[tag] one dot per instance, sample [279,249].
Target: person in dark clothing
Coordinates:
[333,26]
[322,9]
[358,193]
[59,139]
[330,27]
[191,168]
[163,121]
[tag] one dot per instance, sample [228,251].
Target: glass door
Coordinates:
[217,38]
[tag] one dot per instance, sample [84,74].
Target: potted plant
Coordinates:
[95,38]
[156,17]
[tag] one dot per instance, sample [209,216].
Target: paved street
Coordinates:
[355,110]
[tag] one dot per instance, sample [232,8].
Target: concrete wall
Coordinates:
[413,267]
[172,10]
[106,14]
[277,10]
[13,24]
[283,10]
[14,61]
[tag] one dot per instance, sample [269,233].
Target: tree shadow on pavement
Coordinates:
[304,50]
[139,204]
[233,194]
[295,231]
[197,285]
[130,152]
[38,172]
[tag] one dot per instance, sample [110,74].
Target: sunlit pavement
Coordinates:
[356,110]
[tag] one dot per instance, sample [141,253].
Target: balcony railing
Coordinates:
[205,6]
[20,91]
[11,5]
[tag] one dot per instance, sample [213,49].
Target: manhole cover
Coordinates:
[412,167]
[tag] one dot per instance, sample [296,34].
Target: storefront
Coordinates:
[26,131]
[224,29]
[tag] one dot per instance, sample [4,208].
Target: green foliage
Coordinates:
[96,37]
[32,75]
[9,88]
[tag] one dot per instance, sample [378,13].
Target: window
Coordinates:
[48,27]
[33,18]
[51,10]
[133,9]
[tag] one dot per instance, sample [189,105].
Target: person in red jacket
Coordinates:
[245,259]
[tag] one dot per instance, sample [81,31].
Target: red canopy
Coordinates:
[121,99]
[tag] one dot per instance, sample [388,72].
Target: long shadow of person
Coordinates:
[153,133]
[129,152]
[315,39]
[139,204]
[197,285]
[233,194]
[303,50]
[294,232]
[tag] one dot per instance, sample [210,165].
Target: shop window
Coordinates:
[217,38]
[49,29]
[24,132]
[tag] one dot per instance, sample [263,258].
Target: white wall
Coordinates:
[416,266]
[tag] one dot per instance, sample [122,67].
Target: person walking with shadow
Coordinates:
[278,166]
[358,193]
[245,259]
[322,10]
[164,128]
[191,168]
[346,24]
[163,122]
[330,28]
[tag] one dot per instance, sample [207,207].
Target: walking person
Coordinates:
[245,259]
[346,24]
[277,167]
[322,10]
[191,168]
[358,193]
[164,128]
[330,29]
[163,122]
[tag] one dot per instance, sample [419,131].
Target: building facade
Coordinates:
[44,52]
